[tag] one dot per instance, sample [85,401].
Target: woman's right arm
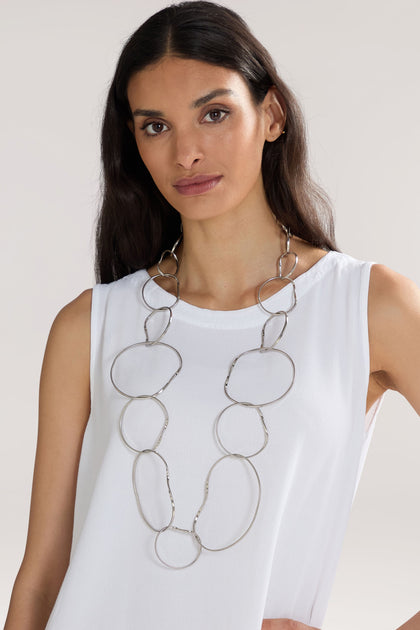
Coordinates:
[64,407]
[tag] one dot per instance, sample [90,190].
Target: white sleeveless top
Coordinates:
[309,470]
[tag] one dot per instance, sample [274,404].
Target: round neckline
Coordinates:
[243,317]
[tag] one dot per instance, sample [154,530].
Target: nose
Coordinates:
[187,150]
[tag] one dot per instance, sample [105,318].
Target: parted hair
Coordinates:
[135,223]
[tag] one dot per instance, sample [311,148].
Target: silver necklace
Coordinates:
[151,343]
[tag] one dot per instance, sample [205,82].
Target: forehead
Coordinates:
[177,81]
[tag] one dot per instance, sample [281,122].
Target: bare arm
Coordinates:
[64,407]
[394,331]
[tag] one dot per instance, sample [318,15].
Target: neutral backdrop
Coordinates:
[354,66]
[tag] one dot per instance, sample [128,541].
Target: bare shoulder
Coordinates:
[65,373]
[392,296]
[70,330]
[76,313]
[394,331]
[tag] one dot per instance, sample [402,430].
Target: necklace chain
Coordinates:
[154,342]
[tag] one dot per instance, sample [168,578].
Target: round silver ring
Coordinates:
[161,275]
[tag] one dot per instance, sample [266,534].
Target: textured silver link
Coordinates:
[206,493]
[146,344]
[186,531]
[160,275]
[149,450]
[272,318]
[294,297]
[152,343]
[219,439]
[149,317]
[258,404]
[122,418]
[284,257]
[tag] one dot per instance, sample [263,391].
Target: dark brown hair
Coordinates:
[135,222]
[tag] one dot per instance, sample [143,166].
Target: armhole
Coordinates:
[370,416]
[367,419]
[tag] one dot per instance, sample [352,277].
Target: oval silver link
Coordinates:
[219,439]
[288,237]
[294,297]
[172,255]
[206,492]
[179,529]
[149,450]
[160,275]
[121,420]
[171,252]
[146,321]
[285,255]
[270,402]
[147,345]
[281,333]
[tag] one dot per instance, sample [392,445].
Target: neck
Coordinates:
[224,259]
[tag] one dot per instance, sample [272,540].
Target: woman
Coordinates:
[257,380]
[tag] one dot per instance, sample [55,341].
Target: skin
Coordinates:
[231,244]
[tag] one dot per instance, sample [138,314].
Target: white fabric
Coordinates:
[309,470]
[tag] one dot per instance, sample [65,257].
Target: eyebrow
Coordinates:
[197,103]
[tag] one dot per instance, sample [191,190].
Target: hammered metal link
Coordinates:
[294,297]
[149,317]
[259,404]
[155,343]
[160,275]
[272,317]
[219,439]
[122,417]
[206,493]
[149,450]
[147,345]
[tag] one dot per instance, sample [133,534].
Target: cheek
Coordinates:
[243,148]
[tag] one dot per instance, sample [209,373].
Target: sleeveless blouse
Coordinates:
[309,470]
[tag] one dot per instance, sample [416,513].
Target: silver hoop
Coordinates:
[150,315]
[206,492]
[122,416]
[149,450]
[173,255]
[285,255]
[270,402]
[281,332]
[294,297]
[147,345]
[161,275]
[179,529]
[219,439]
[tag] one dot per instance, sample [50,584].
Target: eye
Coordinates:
[154,128]
[216,115]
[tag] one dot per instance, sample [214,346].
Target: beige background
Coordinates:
[354,67]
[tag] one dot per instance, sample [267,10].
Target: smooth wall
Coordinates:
[355,69]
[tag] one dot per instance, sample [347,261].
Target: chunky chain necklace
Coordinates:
[280,318]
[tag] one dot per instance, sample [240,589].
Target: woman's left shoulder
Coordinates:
[394,331]
[392,294]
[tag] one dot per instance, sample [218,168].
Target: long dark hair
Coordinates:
[135,222]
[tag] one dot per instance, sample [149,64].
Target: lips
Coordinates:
[196,185]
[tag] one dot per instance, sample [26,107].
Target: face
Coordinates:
[201,136]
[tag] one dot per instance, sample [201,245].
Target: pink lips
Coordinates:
[197,185]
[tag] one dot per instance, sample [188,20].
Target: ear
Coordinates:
[275,114]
